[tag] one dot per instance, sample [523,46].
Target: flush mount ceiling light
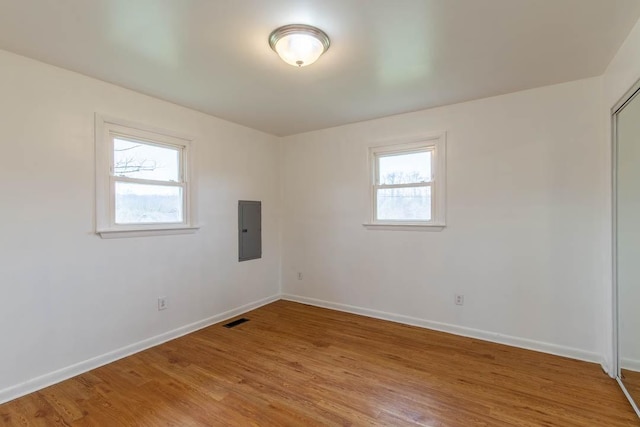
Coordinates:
[299,45]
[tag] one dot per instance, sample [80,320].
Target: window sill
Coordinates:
[168,231]
[404,227]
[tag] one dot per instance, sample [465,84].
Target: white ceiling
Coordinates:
[386,57]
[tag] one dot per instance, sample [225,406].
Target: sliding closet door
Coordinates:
[628,245]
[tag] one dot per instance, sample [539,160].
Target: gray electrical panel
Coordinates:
[249,230]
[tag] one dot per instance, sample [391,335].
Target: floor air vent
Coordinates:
[235,323]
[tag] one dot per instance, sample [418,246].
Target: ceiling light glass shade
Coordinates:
[299,45]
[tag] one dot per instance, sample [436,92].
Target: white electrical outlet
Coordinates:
[162,303]
[459,299]
[299,276]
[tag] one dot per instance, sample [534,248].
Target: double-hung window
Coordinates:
[408,183]
[141,179]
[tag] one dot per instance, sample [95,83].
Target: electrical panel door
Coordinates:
[249,230]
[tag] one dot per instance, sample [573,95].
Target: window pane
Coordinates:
[404,204]
[141,204]
[407,168]
[145,161]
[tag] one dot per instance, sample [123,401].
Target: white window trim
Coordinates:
[433,142]
[106,227]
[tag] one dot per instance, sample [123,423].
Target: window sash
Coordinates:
[384,153]
[112,201]
[393,151]
[404,221]
[182,183]
[179,148]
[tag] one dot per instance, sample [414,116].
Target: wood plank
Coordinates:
[294,364]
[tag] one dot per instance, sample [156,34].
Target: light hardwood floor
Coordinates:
[298,365]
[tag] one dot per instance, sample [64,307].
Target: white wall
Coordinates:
[621,74]
[526,186]
[67,295]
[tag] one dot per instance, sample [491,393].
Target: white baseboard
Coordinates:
[630,364]
[528,344]
[51,378]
